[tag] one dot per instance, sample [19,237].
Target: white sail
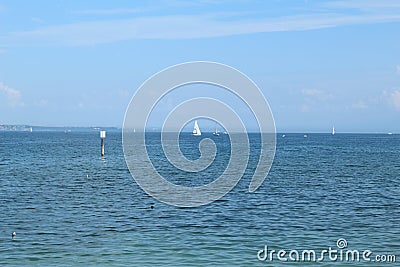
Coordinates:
[196,129]
[216,133]
[333,130]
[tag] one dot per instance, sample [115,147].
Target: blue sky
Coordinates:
[318,63]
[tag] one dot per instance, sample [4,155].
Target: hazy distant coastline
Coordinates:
[67,129]
[28,128]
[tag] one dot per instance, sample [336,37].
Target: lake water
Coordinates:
[70,207]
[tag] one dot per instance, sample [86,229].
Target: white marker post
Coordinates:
[102,136]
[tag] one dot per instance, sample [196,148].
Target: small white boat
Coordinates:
[196,129]
[216,133]
[305,136]
[333,130]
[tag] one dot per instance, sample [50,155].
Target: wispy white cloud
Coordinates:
[394,99]
[113,11]
[185,3]
[41,102]
[362,4]
[12,96]
[181,27]
[305,108]
[317,94]
[314,98]
[359,105]
[37,20]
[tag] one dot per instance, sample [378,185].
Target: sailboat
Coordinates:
[333,130]
[216,133]
[196,129]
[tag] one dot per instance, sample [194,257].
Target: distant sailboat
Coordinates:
[216,133]
[196,129]
[333,130]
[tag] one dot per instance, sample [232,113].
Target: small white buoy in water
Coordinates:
[14,234]
[87,175]
[102,136]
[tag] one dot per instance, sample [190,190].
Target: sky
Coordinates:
[318,63]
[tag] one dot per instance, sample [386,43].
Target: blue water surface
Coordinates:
[71,207]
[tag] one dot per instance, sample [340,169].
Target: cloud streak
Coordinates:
[317,94]
[313,98]
[394,99]
[359,105]
[181,27]
[114,11]
[13,96]
[362,4]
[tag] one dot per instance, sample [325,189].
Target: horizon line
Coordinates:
[118,129]
[158,129]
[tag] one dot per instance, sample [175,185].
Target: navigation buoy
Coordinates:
[102,136]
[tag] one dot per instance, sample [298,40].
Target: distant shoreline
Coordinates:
[66,129]
[28,128]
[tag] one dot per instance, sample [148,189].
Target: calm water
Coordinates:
[70,207]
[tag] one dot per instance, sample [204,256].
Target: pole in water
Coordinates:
[102,136]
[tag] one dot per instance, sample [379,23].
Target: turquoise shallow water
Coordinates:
[70,207]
